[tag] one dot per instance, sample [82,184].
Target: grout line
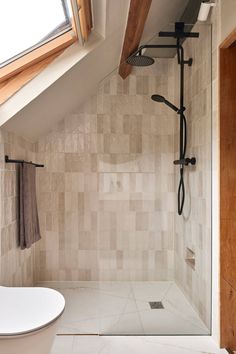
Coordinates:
[178,347]
[188,301]
[106,292]
[122,313]
[167,291]
[139,315]
[189,319]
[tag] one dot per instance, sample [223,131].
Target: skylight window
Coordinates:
[33,23]
[39,29]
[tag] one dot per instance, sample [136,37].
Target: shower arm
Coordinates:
[147,46]
[178,46]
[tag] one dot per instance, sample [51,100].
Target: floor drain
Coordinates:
[156,305]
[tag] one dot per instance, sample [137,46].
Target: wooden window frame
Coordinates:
[85,15]
[38,54]
[53,46]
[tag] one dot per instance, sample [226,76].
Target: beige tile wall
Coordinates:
[193,229]
[106,196]
[16,266]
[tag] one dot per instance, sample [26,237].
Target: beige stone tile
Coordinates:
[74,162]
[116,143]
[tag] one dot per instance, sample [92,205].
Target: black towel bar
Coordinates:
[7,160]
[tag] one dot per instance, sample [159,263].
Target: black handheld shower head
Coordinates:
[158,98]
[137,59]
[161,99]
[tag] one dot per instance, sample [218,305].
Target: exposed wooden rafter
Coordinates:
[138,12]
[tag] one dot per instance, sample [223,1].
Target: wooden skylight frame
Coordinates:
[56,44]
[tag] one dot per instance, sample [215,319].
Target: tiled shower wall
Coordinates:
[193,229]
[16,266]
[106,195]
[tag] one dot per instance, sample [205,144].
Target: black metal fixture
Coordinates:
[7,160]
[162,99]
[140,60]
[179,34]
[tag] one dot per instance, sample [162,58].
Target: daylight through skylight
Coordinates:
[25,24]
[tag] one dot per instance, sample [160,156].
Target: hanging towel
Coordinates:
[29,223]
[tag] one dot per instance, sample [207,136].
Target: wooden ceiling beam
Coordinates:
[138,12]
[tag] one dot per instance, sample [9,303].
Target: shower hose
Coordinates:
[181,189]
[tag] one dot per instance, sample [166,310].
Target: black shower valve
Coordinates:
[186,161]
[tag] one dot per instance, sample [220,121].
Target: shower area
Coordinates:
[114,241]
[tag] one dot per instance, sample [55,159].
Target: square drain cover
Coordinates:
[156,305]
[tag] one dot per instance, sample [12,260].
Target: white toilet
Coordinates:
[29,319]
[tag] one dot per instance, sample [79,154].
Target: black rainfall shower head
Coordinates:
[159,98]
[139,60]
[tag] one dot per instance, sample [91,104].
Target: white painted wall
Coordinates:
[228,17]
[161,14]
[99,16]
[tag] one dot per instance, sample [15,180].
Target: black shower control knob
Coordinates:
[192,161]
[186,161]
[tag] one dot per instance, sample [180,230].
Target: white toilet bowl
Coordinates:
[29,319]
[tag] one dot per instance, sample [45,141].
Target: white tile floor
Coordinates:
[122,308]
[135,345]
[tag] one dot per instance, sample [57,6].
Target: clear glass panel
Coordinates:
[154,265]
[27,24]
[142,268]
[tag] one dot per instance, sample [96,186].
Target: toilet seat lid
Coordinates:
[23,310]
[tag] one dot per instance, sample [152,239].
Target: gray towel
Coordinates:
[29,223]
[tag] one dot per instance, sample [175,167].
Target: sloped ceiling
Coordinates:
[75,86]
[161,14]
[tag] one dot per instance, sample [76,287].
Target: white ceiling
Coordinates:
[76,85]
